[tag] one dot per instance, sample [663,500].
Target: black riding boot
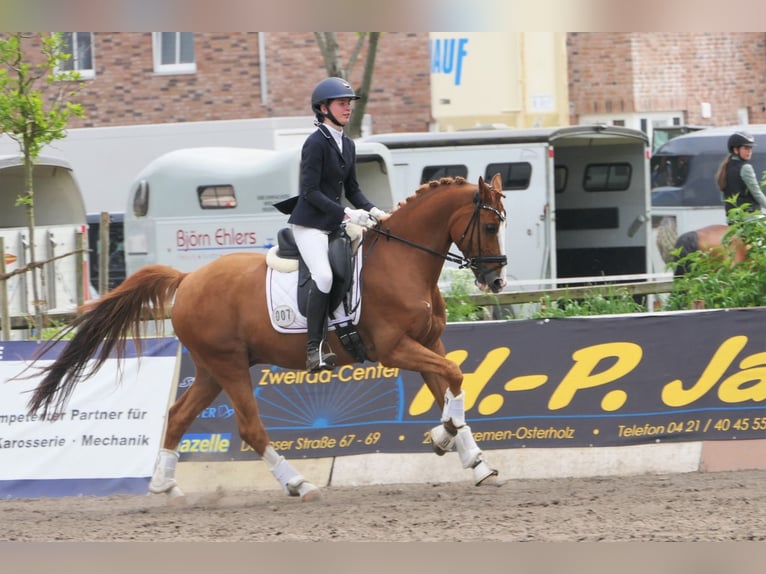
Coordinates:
[316,319]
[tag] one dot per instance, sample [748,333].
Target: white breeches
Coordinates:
[314,246]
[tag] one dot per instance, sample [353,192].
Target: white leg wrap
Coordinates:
[454,408]
[291,480]
[467,448]
[442,440]
[164,477]
[471,455]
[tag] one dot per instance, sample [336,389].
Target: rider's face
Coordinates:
[745,152]
[341,110]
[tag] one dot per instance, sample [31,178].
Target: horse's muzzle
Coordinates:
[495,285]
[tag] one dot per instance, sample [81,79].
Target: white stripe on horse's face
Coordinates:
[501,239]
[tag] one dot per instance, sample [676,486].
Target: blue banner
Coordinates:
[573,382]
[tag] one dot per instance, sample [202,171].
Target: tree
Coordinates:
[328,45]
[33,118]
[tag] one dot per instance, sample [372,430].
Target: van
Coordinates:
[60,228]
[577,197]
[685,195]
[190,206]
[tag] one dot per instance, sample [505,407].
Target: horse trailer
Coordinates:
[190,206]
[60,227]
[577,198]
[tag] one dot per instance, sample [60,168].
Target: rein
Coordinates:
[462,261]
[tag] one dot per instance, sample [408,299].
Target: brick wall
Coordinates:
[227,84]
[632,72]
[608,73]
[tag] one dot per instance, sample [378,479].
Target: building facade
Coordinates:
[642,80]
[243,75]
[437,81]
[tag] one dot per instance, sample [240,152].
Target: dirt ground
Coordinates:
[724,506]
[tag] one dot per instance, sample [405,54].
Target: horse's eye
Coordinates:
[491,228]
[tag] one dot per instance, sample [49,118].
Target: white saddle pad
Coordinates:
[282,300]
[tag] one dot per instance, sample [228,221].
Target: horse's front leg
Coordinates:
[444,379]
[455,433]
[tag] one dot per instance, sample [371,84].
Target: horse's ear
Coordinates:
[497,182]
[481,182]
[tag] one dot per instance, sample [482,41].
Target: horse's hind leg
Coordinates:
[182,413]
[237,385]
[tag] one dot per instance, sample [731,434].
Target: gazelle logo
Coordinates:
[205,443]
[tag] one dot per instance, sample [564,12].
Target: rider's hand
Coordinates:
[359,217]
[377,213]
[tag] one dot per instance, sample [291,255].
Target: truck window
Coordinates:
[670,170]
[560,175]
[515,175]
[436,172]
[686,180]
[606,177]
[141,199]
[216,197]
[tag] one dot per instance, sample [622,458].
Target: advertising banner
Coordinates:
[573,382]
[103,441]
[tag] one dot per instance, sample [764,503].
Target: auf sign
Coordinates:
[447,55]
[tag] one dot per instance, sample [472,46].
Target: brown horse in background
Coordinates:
[709,238]
[220,315]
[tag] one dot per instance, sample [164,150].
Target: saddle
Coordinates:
[342,251]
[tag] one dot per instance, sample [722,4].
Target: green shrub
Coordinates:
[615,301]
[457,297]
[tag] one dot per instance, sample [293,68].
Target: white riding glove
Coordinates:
[359,217]
[377,213]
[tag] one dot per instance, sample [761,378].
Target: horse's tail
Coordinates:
[688,243]
[107,323]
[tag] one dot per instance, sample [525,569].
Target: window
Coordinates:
[436,172]
[141,199]
[514,175]
[560,175]
[79,45]
[174,52]
[607,177]
[216,197]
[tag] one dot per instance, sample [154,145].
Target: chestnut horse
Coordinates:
[709,238]
[220,315]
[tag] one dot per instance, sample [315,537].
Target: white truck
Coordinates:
[577,197]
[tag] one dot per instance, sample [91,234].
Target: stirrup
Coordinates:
[317,361]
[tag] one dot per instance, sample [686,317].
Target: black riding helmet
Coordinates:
[330,89]
[739,139]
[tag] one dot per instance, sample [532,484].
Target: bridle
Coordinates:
[481,265]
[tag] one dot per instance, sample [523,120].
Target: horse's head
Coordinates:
[481,240]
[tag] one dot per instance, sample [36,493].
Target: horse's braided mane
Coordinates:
[444,181]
